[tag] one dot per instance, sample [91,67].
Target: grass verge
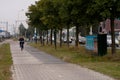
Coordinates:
[5,62]
[108,64]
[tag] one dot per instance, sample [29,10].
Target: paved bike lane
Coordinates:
[32,64]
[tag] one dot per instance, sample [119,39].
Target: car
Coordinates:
[109,41]
[65,40]
[118,36]
[82,40]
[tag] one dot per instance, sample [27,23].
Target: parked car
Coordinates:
[118,36]
[65,40]
[109,41]
[82,40]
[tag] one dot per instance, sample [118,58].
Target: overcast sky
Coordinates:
[12,10]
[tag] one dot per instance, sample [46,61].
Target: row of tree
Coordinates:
[55,15]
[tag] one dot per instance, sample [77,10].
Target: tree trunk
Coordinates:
[68,35]
[113,35]
[51,36]
[76,41]
[61,37]
[43,38]
[55,35]
[47,38]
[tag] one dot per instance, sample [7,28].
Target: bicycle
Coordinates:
[21,46]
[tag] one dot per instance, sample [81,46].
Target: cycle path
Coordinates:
[32,64]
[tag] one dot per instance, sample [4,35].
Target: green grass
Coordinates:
[108,64]
[5,62]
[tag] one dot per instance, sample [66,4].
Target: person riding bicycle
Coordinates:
[21,42]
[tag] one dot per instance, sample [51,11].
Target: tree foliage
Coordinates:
[22,30]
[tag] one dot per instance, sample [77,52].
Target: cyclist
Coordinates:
[21,42]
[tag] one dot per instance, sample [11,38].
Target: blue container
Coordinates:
[90,42]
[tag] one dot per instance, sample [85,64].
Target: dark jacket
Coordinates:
[21,40]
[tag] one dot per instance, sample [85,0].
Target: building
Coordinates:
[106,27]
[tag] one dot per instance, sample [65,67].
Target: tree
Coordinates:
[78,15]
[34,18]
[29,32]
[22,30]
[73,13]
[48,17]
[65,15]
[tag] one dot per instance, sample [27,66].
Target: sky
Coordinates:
[12,11]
